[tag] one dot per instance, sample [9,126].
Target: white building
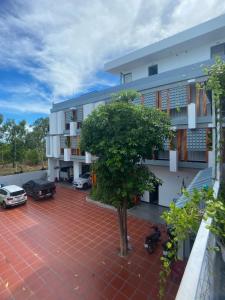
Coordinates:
[166,74]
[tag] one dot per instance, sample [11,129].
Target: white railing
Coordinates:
[197,281]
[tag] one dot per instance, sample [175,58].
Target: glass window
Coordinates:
[152,70]
[127,77]
[3,192]
[218,50]
[17,193]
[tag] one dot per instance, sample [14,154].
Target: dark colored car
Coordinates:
[39,188]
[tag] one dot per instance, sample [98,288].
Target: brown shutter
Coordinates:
[157,99]
[179,143]
[198,101]
[160,101]
[142,99]
[204,102]
[185,144]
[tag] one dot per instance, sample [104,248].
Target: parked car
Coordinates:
[83,182]
[12,195]
[39,188]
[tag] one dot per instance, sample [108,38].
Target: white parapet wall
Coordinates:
[67,154]
[56,146]
[73,128]
[87,157]
[197,281]
[173,160]
[192,116]
[211,158]
[20,179]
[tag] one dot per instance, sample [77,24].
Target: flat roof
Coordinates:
[156,81]
[213,29]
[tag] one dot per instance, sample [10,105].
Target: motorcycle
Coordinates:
[152,240]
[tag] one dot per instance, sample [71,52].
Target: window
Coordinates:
[127,77]
[17,193]
[74,116]
[152,70]
[218,50]
[2,192]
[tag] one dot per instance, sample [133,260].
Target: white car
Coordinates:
[11,195]
[83,182]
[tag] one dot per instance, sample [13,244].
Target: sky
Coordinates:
[53,50]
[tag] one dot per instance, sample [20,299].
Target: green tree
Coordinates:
[122,135]
[36,138]
[14,135]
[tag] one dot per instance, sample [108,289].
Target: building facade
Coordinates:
[166,74]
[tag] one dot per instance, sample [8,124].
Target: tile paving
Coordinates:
[66,248]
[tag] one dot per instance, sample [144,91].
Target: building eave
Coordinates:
[211,30]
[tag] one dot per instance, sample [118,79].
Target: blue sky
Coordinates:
[52,52]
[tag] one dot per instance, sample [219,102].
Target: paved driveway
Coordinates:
[67,248]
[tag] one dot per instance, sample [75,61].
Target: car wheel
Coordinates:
[4,205]
[85,186]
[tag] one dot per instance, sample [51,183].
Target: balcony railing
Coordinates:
[198,279]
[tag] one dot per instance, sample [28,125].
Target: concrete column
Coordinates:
[51,169]
[76,169]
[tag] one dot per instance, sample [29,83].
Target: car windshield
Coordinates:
[86,176]
[17,193]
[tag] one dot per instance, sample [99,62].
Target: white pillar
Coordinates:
[87,157]
[76,169]
[51,170]
[173,160]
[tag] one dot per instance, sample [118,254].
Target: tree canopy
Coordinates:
[21,144]
[122,135]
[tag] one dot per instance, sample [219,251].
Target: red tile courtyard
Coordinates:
[66,248]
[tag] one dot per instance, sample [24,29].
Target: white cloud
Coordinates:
[29,107]
[65,45]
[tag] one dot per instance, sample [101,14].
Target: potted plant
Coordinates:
[215,209]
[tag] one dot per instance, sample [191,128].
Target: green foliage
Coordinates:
[127,96]
[17,144]
[215,209]
[184,222]
[122,135]
[216,79]
[14,134]
[32,157]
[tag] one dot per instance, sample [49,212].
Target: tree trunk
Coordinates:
[122,218]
